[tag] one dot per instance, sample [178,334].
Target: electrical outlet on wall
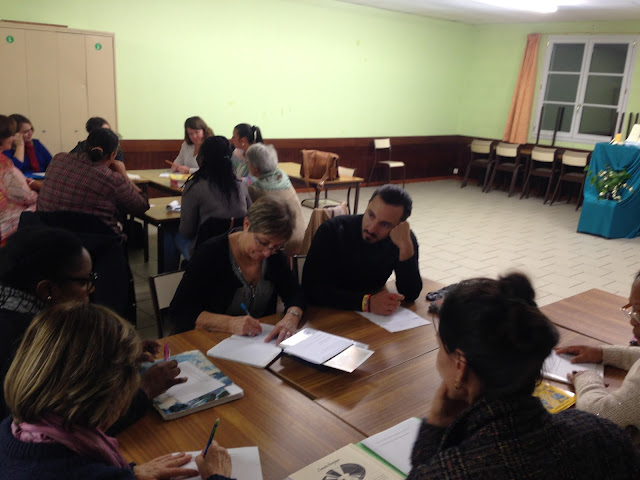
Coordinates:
[455,171]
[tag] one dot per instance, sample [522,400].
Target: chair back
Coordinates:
[298,266]
[163,287]
[575,159]
[382,143]
[319,165]
[481,146]
[541,154]
[318,216]
[346,171]
[214,226]
[509,150]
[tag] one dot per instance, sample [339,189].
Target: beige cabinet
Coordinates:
[58,78]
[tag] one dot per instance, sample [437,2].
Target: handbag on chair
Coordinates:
[319,165]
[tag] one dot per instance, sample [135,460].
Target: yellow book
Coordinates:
[554,399]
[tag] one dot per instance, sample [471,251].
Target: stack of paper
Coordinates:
[245,464]
[401,319]
[557,367]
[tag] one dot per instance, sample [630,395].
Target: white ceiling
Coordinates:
[473,12]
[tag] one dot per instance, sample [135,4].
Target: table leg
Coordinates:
[160,249]
[145,228]
[315,205]
[355,202]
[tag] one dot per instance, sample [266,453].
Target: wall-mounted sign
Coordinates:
[10,39]
[98,46]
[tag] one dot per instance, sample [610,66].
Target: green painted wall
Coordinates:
[305,68]
[494,63]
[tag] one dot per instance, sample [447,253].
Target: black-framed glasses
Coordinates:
[266,246]
[88,281]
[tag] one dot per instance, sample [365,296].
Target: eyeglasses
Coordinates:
[630,312]
[89,281]
[264,245]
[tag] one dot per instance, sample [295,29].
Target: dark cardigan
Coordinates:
[210,283]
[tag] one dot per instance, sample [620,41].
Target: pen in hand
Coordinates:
[169,162]
[166,352]
[213,432]
[244,307]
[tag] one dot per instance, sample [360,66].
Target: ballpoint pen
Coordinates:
[166,352]
[213,432]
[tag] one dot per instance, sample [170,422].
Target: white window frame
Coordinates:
[589,41]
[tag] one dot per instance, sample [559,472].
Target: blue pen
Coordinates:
[244,307]
[213,432]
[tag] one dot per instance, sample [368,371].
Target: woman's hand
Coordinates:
[217,461]
[165,467]
[160,377]
[583,353]
[34,185]
[18,140]
[180,168]
[150,349]
[443,409]
[246,325]
[284,328]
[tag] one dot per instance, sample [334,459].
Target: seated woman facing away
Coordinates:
[92,124]
[74,374]
[17,194]
[195,132]
[271,181]
[621,405]
[232,279]
[244,135]
[484,422]
[28,154]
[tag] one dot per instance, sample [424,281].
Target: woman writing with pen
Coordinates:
[234,279]
[74,374]
[195,133]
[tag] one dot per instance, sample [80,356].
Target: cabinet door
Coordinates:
[72,88]
[101,78]
[42,85]
[13,94]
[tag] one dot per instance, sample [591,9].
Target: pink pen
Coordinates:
[166,352]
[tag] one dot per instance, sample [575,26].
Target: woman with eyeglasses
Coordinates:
[484,422]
[234,279]
[41,267]
[621,405]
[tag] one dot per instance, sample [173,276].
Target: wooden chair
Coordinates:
[379,145]
[542,164]
[318,216]
[328,202]
[507,158]
[573,170]
[163,287]
[480,155]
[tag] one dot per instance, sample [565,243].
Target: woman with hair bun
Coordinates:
[244,135]
[484,422]
[92,182]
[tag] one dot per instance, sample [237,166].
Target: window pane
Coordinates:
[549,117]
[597,121]
[566,57]
[608,58]
[603,90]
[562,88]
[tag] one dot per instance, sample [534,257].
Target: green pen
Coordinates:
[213,432]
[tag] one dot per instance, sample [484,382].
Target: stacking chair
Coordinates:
[480,155]
[572,170]
[507,158]
[379,145]
[328,202]
[163,287]
[542,164]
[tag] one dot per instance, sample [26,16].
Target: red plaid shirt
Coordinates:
[75,183]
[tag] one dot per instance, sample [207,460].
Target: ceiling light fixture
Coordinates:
[539,6]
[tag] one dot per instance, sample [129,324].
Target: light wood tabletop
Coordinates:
[152,176]
[290,430]
[594,313]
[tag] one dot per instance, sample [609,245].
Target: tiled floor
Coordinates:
[466,233]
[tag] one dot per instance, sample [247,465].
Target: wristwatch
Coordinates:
[293,312]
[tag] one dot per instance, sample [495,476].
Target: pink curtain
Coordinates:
[517,129]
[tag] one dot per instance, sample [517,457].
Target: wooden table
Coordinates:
[391,349]
[292,169]
[159,216]
[381,401]
[152,177]
[290,430]
[594,313]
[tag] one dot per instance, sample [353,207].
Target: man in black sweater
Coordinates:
[352,256]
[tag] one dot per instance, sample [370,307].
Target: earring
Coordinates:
[49,298]
[457,384]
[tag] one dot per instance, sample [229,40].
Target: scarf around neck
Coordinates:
[276,180]
[30,152]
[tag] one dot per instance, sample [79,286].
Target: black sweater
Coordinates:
[341,267]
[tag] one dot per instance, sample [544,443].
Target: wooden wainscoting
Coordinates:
[428,156]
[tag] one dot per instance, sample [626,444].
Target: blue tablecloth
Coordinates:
[609,218]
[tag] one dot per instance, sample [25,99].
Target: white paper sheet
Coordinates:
[241,350]
[396,443]
[165,174]
[401,319]
[133,176]
[319,347]
[266,330]
[557,367]
[198,383]
[245,464]
[174,206]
